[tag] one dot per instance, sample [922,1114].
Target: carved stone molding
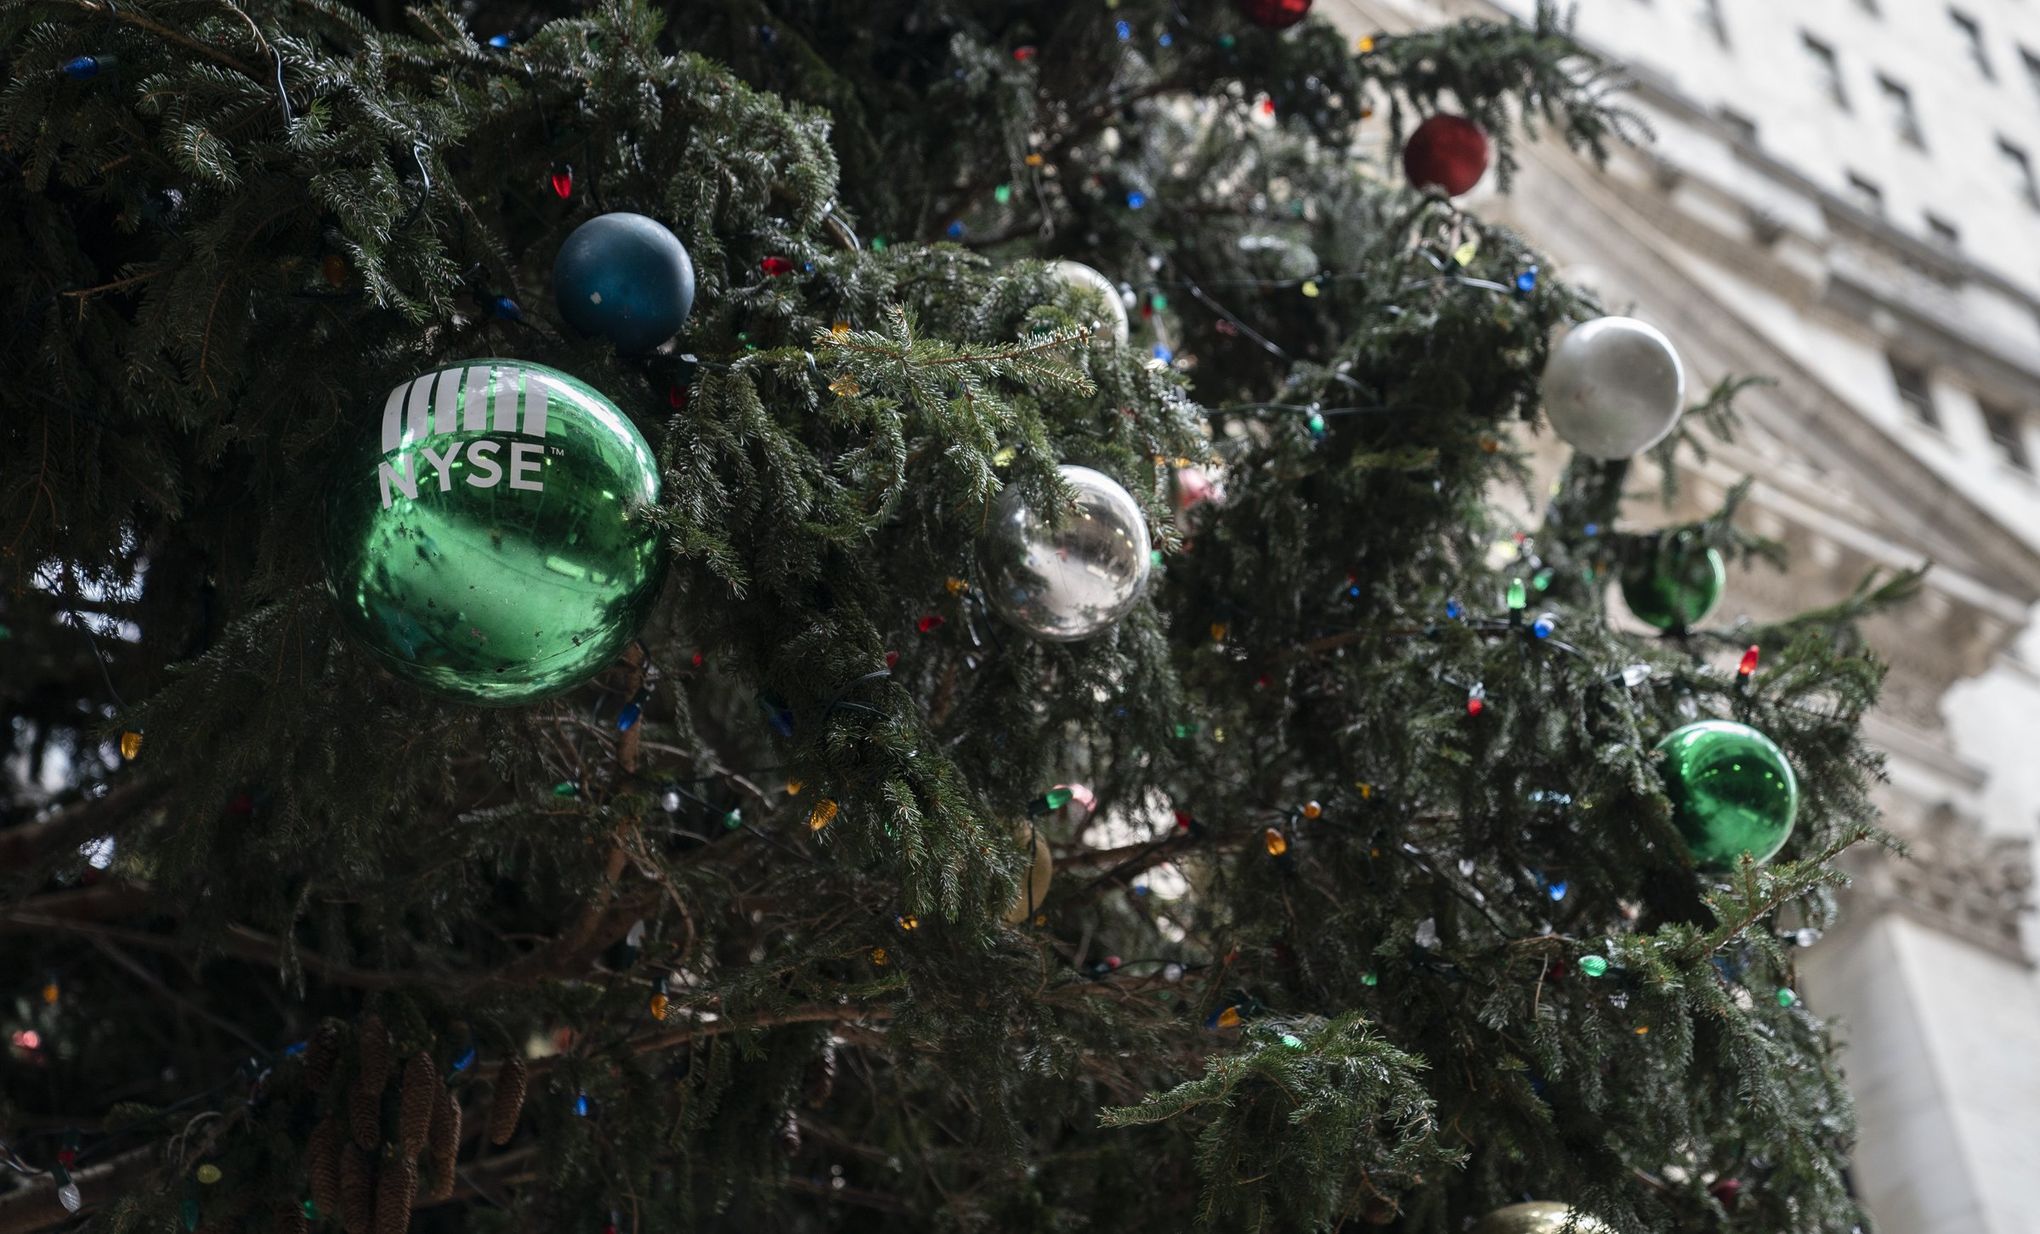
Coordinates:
[1956,878]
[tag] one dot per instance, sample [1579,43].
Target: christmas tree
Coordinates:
[1018,704]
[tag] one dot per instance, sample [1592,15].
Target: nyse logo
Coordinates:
[422,414]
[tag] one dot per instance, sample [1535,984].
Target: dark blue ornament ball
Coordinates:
[624,278]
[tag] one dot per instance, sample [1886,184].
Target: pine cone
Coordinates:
[393,1196]
[445,1142]
[322,1162]
[509,1101]
[374,1047]
[365,1102]
[414,1110]
[357,1191]
[364,1115]
[321,1056]
[821,1076]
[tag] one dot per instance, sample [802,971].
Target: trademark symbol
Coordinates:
[560,450]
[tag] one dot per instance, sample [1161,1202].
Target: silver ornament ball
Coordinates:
[1066,575]
[1537,1217]
[1094,286]
[1614,387]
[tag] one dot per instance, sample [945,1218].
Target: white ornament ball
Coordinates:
[1614,387]
[1065,575]
[1096,287]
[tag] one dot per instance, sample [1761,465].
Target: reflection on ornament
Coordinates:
[1614,387]
[1066,575]
[1538,1217]
[625,278]
[1096,295]
[1675,584]
[1731,789]
[487,545]
[1033,887]
[1194,487]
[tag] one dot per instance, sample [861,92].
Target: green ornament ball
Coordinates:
[1732,791]
[1676,584]
[485,541]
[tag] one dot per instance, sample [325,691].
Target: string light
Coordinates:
[822,815]
[207,1174]
[1518,598]
[1476,699]
[1593,966]
[1748,668]
[907,922]
[85,68]
[1052,800]
[1544,625]
[130,745]
[775,266]
[1135,200]
[506,309]
[1786,996]
[562,179]
[1275,842]
[660,1006]
[1313,810]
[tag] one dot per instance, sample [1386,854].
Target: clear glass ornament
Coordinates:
[1066,575]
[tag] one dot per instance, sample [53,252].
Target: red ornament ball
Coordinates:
[1274,14]
[1449,153]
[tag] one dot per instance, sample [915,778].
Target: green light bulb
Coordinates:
[1593,966]
[1517,596]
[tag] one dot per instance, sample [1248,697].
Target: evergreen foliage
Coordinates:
[660,997]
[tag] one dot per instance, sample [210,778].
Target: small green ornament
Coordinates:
[1593,966]
[1732,791]
[1786,997]
[1675,584]
[733,820]
[487,544]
